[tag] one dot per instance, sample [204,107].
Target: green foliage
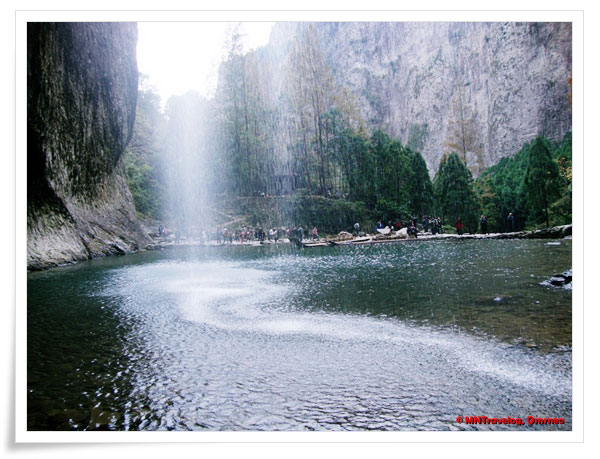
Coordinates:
[350,152]
[417,136]
[142,158]
[487,201]
[328,153]
[335,173]
[330,216]
[453,188]
[390,210]
[393,177]
[561,210]
[500,191]
[541,182]
[420,188]
[143,186]
[501,188]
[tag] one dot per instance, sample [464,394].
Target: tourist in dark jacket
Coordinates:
[511,222]
[483,223]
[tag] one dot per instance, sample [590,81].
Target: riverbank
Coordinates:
[556,232]
[344,238]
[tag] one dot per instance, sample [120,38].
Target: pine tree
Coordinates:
[541,181]
[453,188]
[420,187]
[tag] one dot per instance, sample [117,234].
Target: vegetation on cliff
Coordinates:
[376,178]
[501,189]
[307,144]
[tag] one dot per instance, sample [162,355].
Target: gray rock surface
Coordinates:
[563,280]
[513,77]
[82,91]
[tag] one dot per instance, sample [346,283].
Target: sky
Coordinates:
[180,56]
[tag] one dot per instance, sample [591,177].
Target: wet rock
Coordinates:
[563,280]
[491,300]
[556,232]
[344,235]
[81,98]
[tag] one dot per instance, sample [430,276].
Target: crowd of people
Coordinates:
[433,225]
[244,234]
[258,234]
[428,224]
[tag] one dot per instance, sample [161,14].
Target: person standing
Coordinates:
[356,228]
[412,229]
[425,223]
[511,222]
[315,233]
[434,226]
[483,223]
[459,226]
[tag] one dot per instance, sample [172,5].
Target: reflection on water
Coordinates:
[396,337]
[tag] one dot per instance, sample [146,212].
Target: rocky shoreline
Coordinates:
[343,238]
[556,232]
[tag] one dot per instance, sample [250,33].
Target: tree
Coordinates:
[541,181]
[463,135]
[488,202]
[503,183]
[231,104]
[249,123]
[312,87]
[453,188]
[420,188]
[143,156]
[561,209]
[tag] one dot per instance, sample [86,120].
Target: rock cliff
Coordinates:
[81,99]
[502,83]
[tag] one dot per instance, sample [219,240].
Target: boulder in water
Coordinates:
[563,280]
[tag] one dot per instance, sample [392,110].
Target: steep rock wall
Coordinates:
[513,79]
[82,90]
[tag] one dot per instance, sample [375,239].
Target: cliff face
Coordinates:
[503,83]
[82,90]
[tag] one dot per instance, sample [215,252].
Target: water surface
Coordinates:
[402,336]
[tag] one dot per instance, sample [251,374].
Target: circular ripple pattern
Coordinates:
[378,338]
